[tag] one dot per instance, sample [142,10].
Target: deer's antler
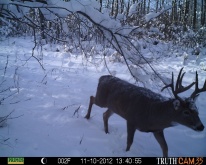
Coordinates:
[197,90]
[179,88]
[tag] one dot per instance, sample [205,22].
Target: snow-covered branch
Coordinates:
[57,12]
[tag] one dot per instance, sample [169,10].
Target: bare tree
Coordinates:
[186,13]
[121,6]
[148,6]
[195,15]
[157,5]
[101,5]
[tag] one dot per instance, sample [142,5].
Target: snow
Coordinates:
[152,15]
[49,106]
[133,9]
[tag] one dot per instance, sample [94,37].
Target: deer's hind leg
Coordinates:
[92,101]
[106,116]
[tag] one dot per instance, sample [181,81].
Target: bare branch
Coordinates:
[7,60]
[5,118]
[76,111]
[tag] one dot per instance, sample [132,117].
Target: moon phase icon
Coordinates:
[43,160]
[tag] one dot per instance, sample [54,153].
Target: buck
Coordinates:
[145,110]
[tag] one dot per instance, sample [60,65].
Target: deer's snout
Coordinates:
[199,127]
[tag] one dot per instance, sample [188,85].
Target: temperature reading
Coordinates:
[64,160]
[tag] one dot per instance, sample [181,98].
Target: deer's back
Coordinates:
[122,97]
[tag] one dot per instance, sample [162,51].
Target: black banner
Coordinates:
[103,160]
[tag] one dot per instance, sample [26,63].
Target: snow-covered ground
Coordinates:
[49,106]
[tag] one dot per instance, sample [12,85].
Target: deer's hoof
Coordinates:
[87,117]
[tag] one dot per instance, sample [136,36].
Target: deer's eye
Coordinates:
[186,113]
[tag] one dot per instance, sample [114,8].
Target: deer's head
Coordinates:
[185,108]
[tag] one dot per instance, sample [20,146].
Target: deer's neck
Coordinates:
[164,113]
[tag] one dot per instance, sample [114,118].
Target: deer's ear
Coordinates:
[195,98]
[176,104]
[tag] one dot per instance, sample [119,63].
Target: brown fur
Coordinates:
[141,108]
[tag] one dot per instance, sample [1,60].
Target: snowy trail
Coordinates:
[48,100]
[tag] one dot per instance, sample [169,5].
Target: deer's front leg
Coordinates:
[159,136]
[130,135]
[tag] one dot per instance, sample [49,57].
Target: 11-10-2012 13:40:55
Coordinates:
[111,160]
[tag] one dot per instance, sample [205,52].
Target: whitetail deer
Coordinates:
[145,110]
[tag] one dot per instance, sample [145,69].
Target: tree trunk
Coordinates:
[128,6]
[116,8]
[144,7]
[42,24]
[203,12]
[148,7]
[113,7]
[186,12]
[195,15]
[174,10]
[157,5]
[121,6]
[100,5]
